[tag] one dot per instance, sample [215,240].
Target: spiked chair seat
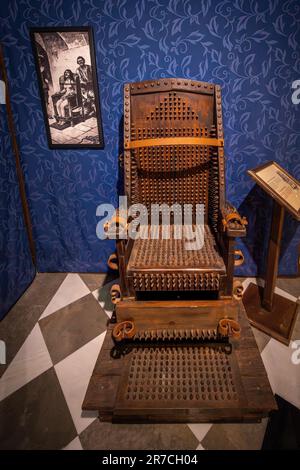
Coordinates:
[195,269]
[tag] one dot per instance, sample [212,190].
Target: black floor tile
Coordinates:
[72,327]
[19,322]
[93,281]
[36,416]
[283,430]
[138,436]
[244,436]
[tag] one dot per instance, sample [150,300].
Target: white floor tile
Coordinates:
[200,430]
[285,294]
[200,447]
[31,360]
[284,376]
[74,373]
[71,289]
[74,445]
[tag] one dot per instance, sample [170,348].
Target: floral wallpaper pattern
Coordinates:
[16,268]
[249,47]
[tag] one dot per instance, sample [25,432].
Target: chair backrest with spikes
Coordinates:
[173,144]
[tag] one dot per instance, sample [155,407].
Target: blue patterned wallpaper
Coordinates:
[16,268]
[250,48]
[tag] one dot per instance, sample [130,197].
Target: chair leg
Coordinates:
[122,267]
[226,285]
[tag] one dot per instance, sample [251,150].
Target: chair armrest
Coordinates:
[116,225]
[231,223]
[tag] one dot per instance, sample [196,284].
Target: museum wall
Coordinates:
[250,48]
[16,268]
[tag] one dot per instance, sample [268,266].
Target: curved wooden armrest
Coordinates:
[228,327]
[116,224]
[124,330]
[232,223]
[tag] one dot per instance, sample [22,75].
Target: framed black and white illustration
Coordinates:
[67,75]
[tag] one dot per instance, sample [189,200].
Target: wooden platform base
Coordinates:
[279,322]
[189,383]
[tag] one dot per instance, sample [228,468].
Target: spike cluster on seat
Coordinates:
[176,281]
[178,335]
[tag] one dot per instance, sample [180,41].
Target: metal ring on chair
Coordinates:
[116,224]
[234,217]
[238,290]
[240,258]
[115,293]
[112,262]
[123,330]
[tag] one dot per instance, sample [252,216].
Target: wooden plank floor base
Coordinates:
[187,384]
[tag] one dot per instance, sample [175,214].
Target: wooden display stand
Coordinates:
[267,311]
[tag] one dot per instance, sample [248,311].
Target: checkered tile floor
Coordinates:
[53,337]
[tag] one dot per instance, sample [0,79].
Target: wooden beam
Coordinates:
[19,170]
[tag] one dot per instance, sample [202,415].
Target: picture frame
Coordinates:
[67,76]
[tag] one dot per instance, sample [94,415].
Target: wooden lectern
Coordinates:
[270,312]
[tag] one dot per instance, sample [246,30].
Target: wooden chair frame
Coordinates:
[225,220]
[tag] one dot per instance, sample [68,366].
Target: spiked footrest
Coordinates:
[181,382]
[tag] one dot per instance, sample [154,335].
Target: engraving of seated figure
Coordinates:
[67,91]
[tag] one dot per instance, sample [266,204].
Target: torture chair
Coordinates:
[174,154]
[172,351]
[75,107]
